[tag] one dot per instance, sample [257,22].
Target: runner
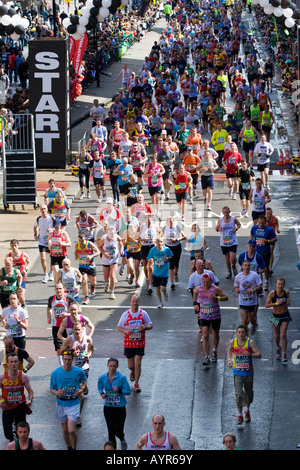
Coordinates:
[10,282]
[158,439]
[71,279]
[67,383]
[173,235]
[85,253]
[207,167]
[82,347]
[259,197]
[123,171]
[154,172]
[264,236]
[228,225]
[206,299]
[241,351]
[248,135]
[83,162]
[247,285]
[74,316]
[58,241]
[133,323]
[192,162]
[231,162]
[14,404]
[161,256]
[21,262]
[110,246]
[41,228]
[113,388]
[86,224]
[182,183]
[57,310]
[97,169]
[14,318]
[245,176]
[263,150]
[279,300]
[22,440]
[148,234]
[10,347]
[273,222]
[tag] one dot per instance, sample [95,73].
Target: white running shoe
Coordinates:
[45,278]
[81,196]
[112,296]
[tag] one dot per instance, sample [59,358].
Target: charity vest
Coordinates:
[13,391]
[164,446]
[209,309]
[12,282]
[248,135]
[56,249]
[19,263]
[136,339]
[254,112]
[58,306]
[266,119]
[59,210]
[241,364]
[82,254]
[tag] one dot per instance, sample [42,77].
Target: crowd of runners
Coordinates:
[195,110]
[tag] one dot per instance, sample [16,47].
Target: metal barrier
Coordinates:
[19,162]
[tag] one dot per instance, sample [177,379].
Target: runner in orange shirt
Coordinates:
[192,162]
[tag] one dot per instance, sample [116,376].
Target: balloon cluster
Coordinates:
[75,87]
[11,23]
[94,12]
[285,11]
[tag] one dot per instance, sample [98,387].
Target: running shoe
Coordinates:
[112,296]
[243,211]
[214,357]
[266,285]
[79,423]
[124,445]
[278,353]
[106,287]
[240,420]
[121,270]
[253,329]
[160,305]
[176,278]
[234,270]
[208,207]
[150,289]
[166,296]
[137,388]
[51,276]
[247,417]
[131,377]
[234,196]
[206,361]
[173,287]
[182,218]
[100,199]
[93,291]
[45,278]
[130,279]
[88,196]
[230,192]
[284,357]
[191,201]
[81,196]
[246,215]
[229,275]
[86,301]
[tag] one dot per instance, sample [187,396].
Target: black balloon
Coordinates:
[94,11]
[11,12]
[9,29]
[2,29]
[74,19]
[116,3]
[286,3]
[19,29]
[63,15]
[93,21]
[276,3]
[112,10]
[3,10]
[97,3]
[72,28]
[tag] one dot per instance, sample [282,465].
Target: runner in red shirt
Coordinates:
[231,162]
